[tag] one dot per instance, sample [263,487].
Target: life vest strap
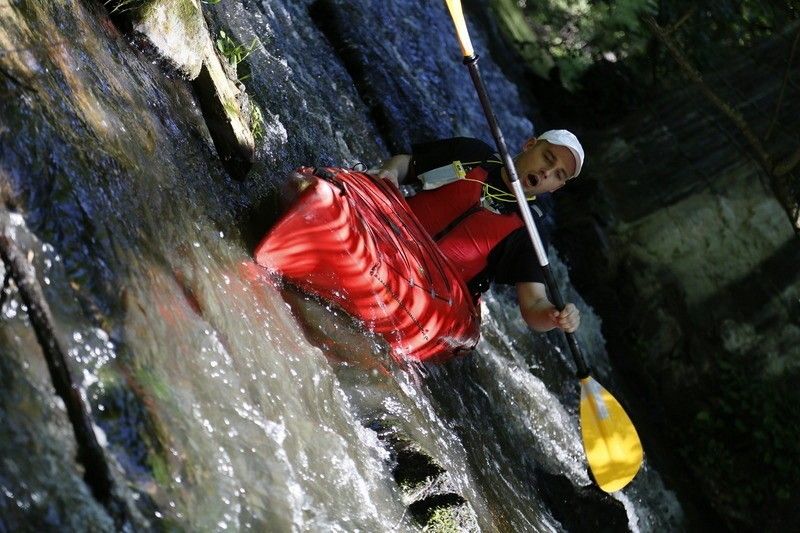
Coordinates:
[455,222]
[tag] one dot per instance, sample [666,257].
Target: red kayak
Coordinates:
[355,242]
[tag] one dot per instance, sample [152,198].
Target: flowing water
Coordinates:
[219,397]
[221,414]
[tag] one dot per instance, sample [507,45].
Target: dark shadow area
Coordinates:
[580,508]
[260,218]
[282,193]
[414,467]
[235,158]
[692,394]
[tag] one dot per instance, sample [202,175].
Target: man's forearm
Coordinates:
[539,315]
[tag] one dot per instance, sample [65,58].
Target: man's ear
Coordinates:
[530,143]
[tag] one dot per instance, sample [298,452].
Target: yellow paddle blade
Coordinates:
[461,27]
[613,449]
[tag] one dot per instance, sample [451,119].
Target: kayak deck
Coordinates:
[354,241]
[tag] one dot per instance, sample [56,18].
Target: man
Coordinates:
[461,193]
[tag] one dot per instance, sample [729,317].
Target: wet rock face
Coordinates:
[413,93]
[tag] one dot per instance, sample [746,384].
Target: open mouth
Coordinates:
[533,181]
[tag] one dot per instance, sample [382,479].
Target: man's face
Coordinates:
[543,167]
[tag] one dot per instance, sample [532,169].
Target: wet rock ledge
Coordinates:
[176,33]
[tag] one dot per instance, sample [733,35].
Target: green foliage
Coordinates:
[153,384]
[442,520]
[256,122]
[160,469]
[234,52]
[713,33]
[573,34]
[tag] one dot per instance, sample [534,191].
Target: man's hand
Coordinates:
[394,169]
[569,319]
[540,313]
[385,174]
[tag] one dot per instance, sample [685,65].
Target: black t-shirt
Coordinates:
[513,259]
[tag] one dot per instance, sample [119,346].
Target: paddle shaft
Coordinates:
[471,62]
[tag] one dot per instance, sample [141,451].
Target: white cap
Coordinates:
[568,139]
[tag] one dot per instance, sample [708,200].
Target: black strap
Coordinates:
[474,209]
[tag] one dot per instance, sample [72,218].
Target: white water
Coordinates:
[248,425]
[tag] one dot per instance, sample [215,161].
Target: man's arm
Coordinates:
[542,315]
[394,169]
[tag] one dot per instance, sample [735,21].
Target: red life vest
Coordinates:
[464,231]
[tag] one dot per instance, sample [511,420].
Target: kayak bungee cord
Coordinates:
[373,211]
[348,242]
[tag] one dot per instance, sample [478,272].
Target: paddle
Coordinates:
[612,446]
